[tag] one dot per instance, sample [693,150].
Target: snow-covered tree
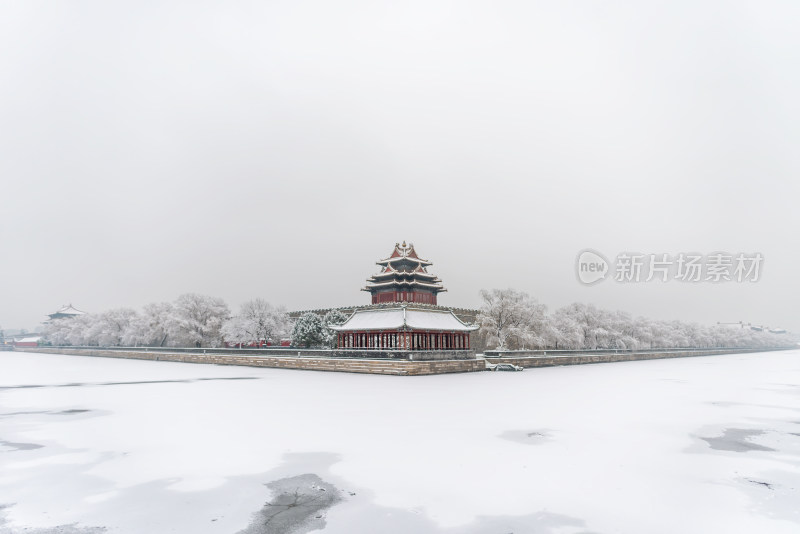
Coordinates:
[55,332]
[238,331]
[509,315]
[258,320]
[332,318]
[199,319]
[309,331]
[71,330]
[110,327]
[566,332]
[154,327]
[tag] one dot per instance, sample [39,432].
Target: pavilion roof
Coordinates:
[402,252]
[404,268]
[68,310]
[389,272]
[396,282]
[404,318]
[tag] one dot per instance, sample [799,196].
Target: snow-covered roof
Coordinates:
[404,318]
[393,272]
[348,310]
[435,320]
[432,285]
[402,252]
[391,319]
[29,339]
[68,310]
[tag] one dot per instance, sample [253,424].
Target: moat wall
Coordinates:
[387,363]
[553,358]
[355,363]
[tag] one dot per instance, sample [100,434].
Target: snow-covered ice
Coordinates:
[694,445]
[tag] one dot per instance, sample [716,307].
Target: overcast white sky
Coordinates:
[277,149]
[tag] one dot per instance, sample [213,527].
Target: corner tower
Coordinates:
[404,278]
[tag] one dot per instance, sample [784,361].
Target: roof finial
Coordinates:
[404,244]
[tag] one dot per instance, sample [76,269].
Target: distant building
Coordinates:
[754,327]
[65,312]
[30,341]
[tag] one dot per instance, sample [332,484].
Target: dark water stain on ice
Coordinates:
[298,506]
[760,483]
[20,446]
[736,440]
[527,437]
[230,378]
[82,384]
[11,414]
[67,412]
[60,529]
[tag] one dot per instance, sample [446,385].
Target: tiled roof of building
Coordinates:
[68,310]
[404,318]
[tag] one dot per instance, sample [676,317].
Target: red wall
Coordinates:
[403,296]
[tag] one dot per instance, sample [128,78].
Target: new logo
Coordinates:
[591,267]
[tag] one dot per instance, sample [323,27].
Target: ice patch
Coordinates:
[298,506]
[73,528]
[11,446]
[737,440]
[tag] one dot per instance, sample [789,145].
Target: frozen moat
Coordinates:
[695,445]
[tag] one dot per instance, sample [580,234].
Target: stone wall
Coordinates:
[416,355]
[549,359]
[385,366]
[348,365]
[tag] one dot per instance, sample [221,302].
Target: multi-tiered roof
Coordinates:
[404,278]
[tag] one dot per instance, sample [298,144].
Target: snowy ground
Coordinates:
[695,445]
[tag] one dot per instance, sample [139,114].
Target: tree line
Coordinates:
[193,320]
[509,319]
[512,319]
